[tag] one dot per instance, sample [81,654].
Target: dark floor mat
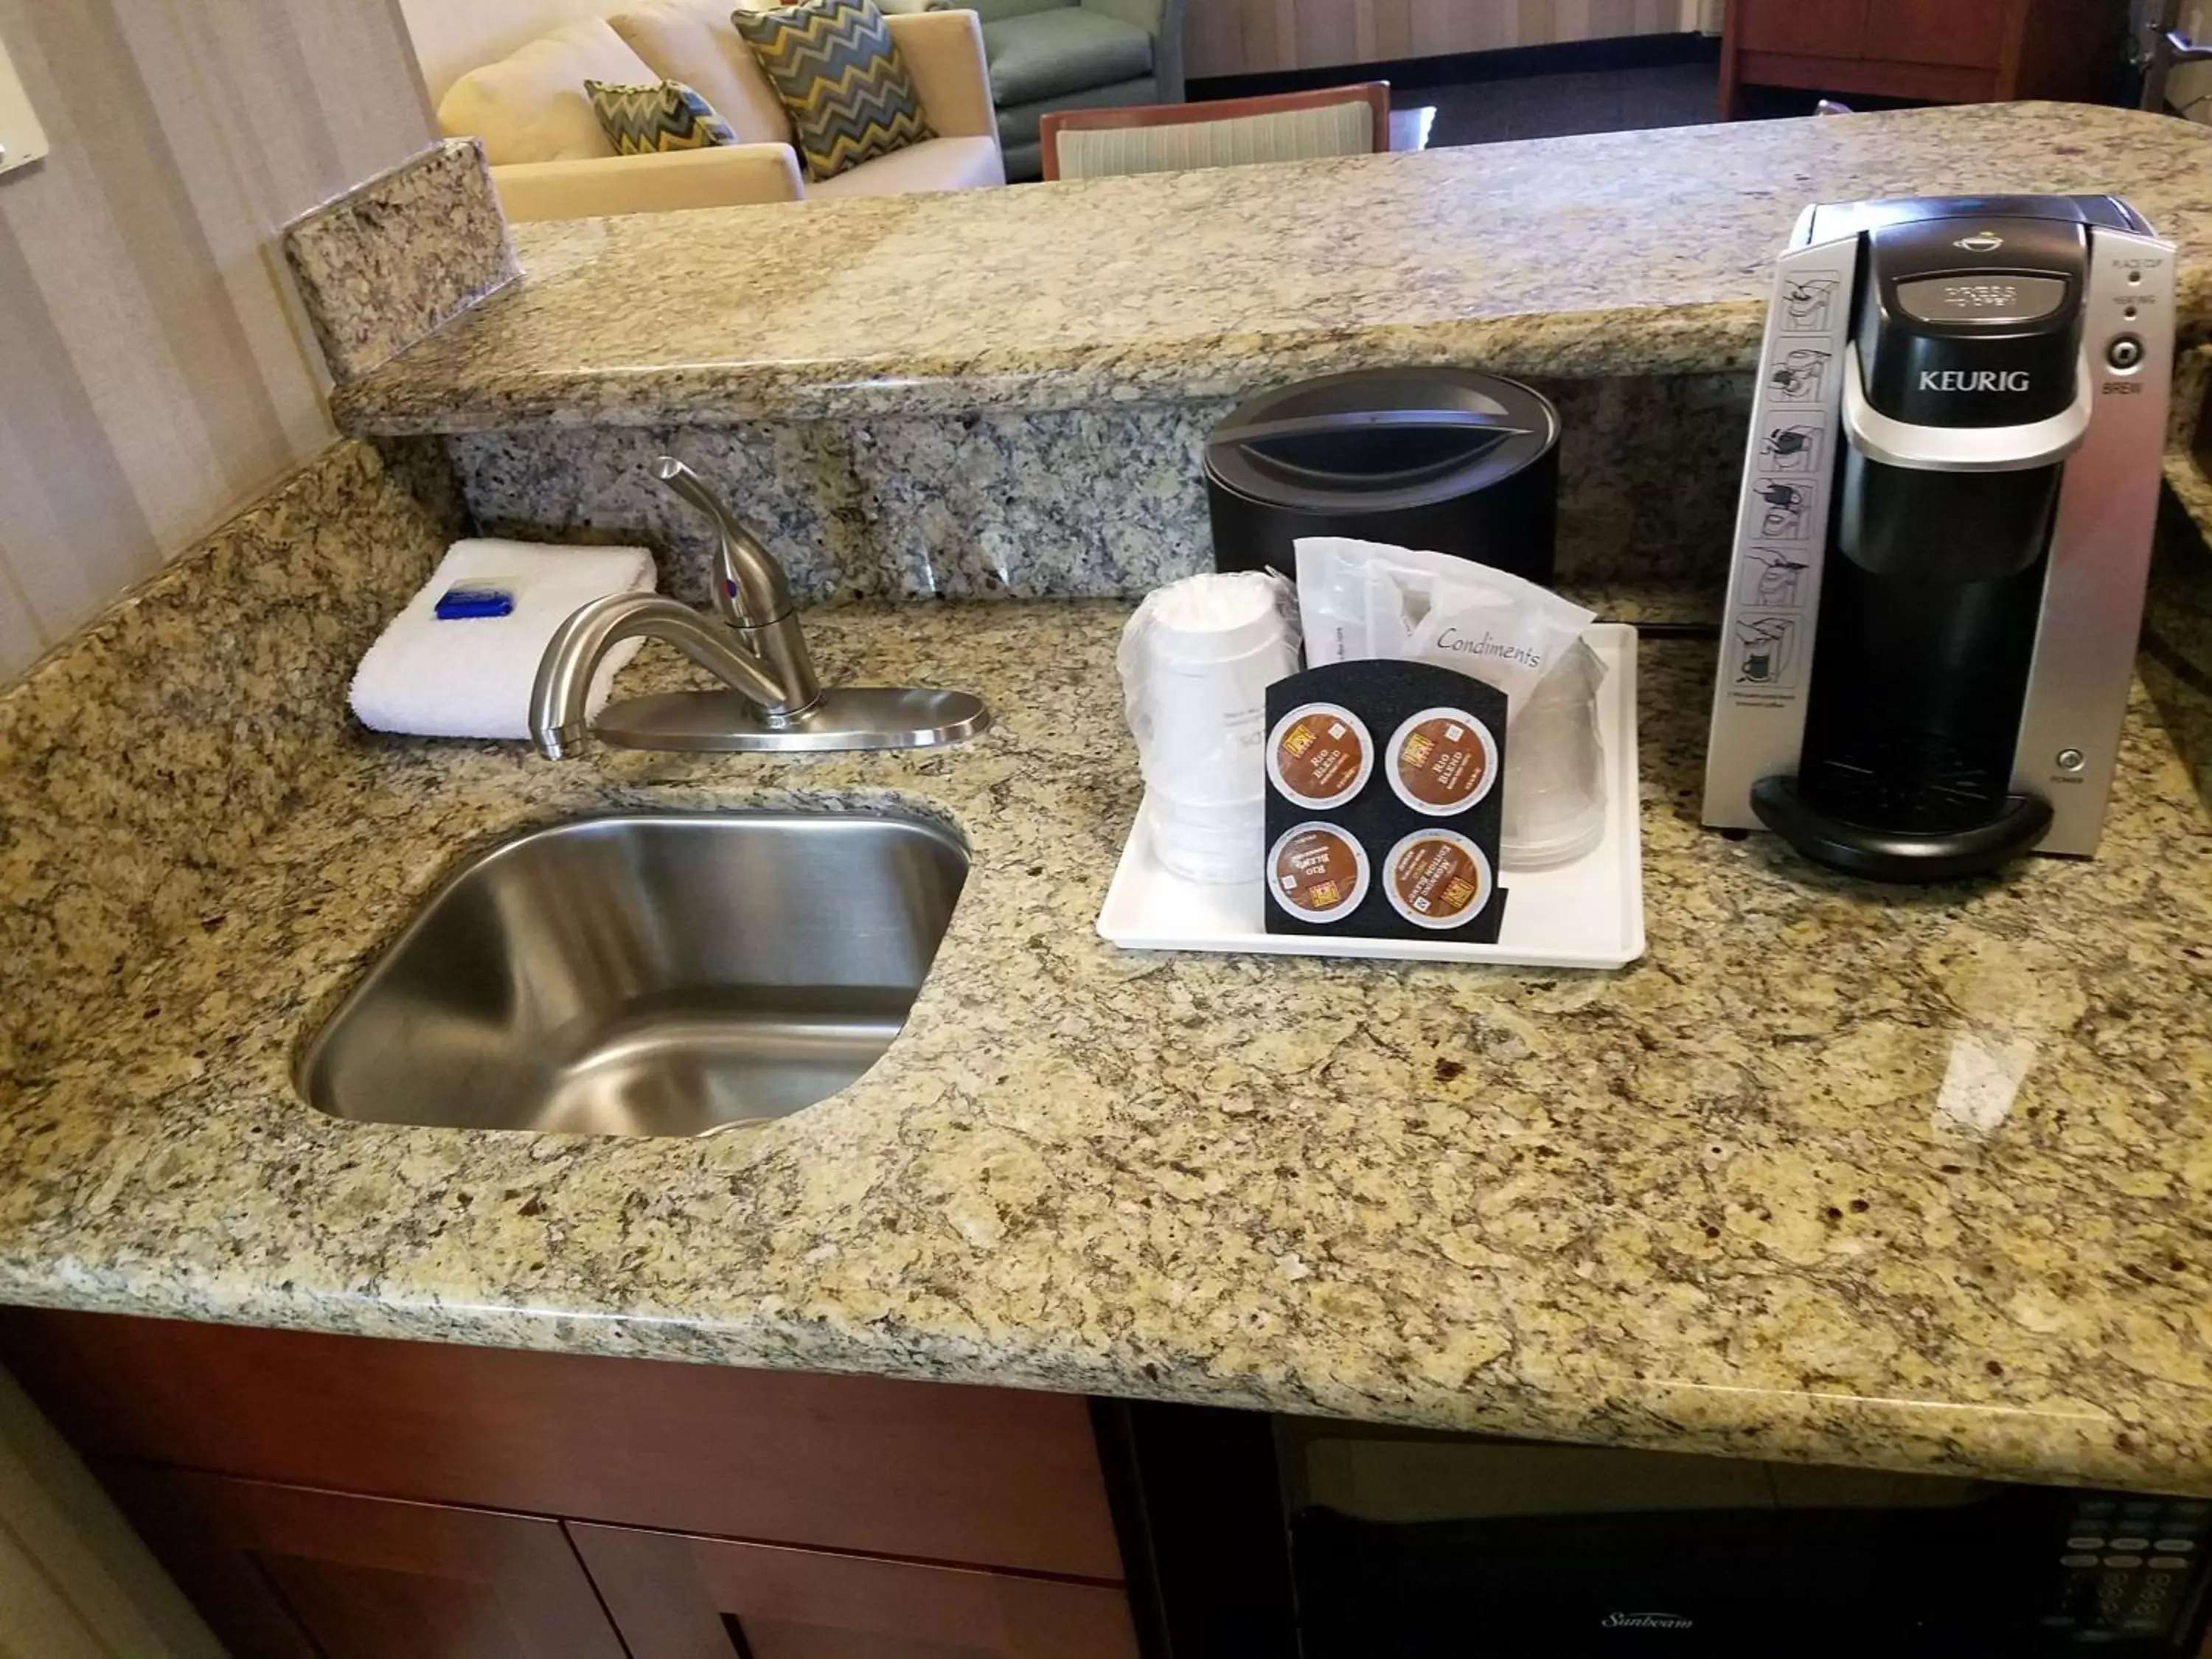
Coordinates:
[1554,106]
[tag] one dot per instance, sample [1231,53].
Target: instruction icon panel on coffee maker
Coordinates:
[1800,377]
[1779,584]
[1784,512]
[1808,302]
[1790,442]
[1765,651]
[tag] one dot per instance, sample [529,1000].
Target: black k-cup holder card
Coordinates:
[1386,802]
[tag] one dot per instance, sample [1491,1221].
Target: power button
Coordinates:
[2125,352]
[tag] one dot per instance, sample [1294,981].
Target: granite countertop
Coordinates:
[1616,254]
[1922,1182]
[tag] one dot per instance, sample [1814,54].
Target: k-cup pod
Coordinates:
[1319,754]
[1438,878]
[1317,872]
[1441,762]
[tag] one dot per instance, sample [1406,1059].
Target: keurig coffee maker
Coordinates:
[1944,532]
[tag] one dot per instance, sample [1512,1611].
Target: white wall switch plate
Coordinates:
[22,140]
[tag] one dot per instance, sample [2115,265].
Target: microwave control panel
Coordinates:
[2127,1569]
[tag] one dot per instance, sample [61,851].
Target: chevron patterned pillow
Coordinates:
[839,73]
[653,120]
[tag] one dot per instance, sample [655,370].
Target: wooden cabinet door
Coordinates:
[997,1477]
[285,1572]
[1964,34]
[1801,28]
[675,1597]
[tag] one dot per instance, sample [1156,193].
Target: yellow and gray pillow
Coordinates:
[656,120]
[834,65]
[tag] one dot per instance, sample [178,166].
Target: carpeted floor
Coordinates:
[1554,105]
[1670,81]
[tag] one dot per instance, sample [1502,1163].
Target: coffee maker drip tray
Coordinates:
[1830,819]
[1921,782]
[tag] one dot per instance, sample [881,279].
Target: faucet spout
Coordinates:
[560,702]
[754,644]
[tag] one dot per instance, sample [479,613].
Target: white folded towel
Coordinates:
[472,677]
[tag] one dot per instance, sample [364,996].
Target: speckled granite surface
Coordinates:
[1035,428]
[1618,254]
[1924,1183]
[2176,661]
[396,258]
[2184,477]
[142,764]
[2184,472]
[1091,503]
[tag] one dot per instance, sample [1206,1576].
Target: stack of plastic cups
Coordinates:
[1196,661]
[1555,768]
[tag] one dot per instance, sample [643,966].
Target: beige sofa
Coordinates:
[550,159]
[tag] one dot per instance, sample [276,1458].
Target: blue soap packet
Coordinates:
[467,599]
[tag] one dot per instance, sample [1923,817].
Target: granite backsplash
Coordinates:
[145,762]
[1096,503]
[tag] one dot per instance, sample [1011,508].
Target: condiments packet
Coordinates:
[1359,599]
[1366,599]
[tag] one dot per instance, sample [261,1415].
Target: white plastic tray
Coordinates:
[1586,913]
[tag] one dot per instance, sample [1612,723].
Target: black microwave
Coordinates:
[1256,1537]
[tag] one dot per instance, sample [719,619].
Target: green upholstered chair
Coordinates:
[1049,55]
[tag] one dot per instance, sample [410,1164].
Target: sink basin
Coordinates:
[651,974]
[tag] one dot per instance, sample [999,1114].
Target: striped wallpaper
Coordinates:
[1251,37]
[154,373]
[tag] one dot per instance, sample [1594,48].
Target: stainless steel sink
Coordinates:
[655,975]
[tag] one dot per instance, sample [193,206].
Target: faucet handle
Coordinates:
[751,588]
[751,594]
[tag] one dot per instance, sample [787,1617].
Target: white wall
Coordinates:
[154,373]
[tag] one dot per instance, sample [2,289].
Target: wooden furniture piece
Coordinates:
[1944,51]
[362,1499]
[1284,126]
[705,1598]
[320,1575]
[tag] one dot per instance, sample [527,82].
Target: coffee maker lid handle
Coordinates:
[1962,448]
[1348,420]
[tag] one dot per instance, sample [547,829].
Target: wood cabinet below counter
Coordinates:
[356,1499]
[287,1572]
[675,1597]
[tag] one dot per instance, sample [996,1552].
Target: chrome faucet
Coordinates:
[754,645]
[757,648]
[753,594]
